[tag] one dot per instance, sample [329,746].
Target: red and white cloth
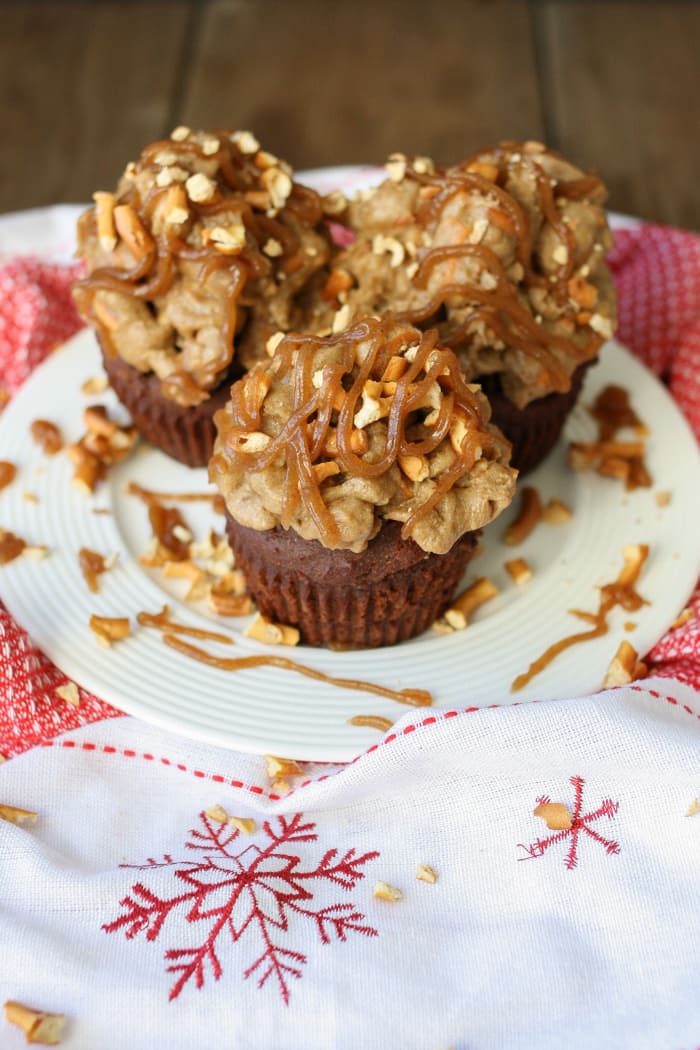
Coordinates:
[150,924]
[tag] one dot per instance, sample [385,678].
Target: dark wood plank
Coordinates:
[330,83]
[84,87]
[621,89]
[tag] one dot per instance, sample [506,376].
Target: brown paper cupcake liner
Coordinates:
[389,593]
[535,429]
[185,433]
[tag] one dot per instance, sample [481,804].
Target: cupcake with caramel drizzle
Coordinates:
[357,470]
[207,247]
[505,255]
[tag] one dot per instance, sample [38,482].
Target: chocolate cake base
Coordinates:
[390,592]
[535,429]
[185,433]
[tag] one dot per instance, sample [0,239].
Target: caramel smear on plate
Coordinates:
[162,622]
[620,592]
[47,436]
[149,496]
[412,697]
[92,565]
[371,722]
[11,546]
[8,473]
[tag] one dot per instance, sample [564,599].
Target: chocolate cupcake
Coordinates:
[357,470]
[505,255]
[207,248]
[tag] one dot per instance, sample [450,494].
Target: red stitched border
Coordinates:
[254,789]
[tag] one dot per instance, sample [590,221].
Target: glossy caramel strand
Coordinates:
[162,622]
[411,697]
[620,592]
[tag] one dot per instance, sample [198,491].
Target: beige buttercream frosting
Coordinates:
[334,435]
[503,253]
[205,249]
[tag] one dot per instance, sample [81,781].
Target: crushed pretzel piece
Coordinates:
[424,873]
[14,815]
[246,141]
[30,497]
[686,616]
[662,498]
[556,512]
[482,590]
[108,629]
[69,693]
[217,813]
[282,767]
[38,1026]
[264,630]
[693,808]
[555,815]
[528,517]
[518,570]
[243,824]
[624,667]
[386,892]
[280,787]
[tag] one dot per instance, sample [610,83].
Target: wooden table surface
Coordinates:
[614,85]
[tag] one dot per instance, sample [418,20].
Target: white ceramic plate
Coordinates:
[270,710]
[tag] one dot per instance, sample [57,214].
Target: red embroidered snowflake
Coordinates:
[580,824]
[257,891]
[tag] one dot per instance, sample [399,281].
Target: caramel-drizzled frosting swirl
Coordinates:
[504,253]
[335,434]
[205,232]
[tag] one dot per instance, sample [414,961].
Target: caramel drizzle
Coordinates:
[301,440]
[621,592]
[371,722]
[150,496]
[153,275]
[500,309]
[411,697]
[162,622]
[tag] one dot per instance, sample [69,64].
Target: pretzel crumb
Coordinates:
[282,767]
[14,815]
[30,497]
[108,629]
[556,512]
[386,892]
[555,815]
[69,693]
[528,516]
[38,1025]
[686,616]
[94,385]
[270,633]
[424,873]
[693,808]
[217,813]
[243,824]
[662,498]
[482,590]
[624,667]
[519,570]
